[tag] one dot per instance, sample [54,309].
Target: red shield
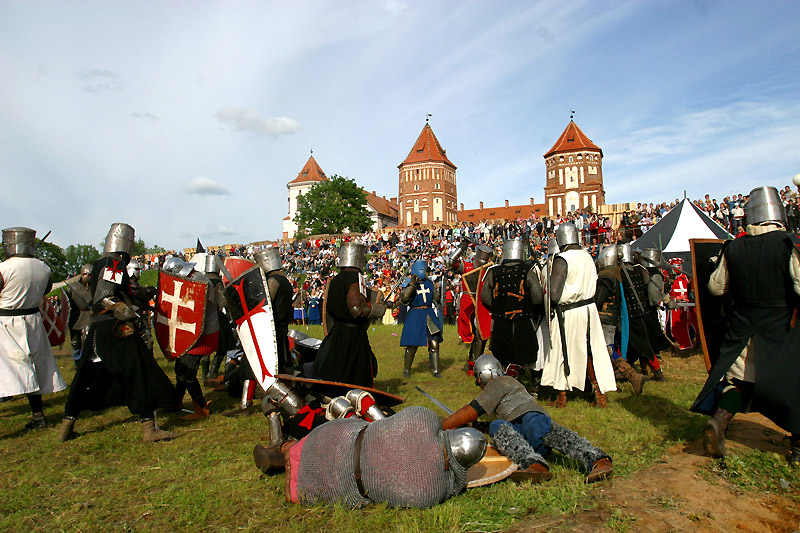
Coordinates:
[237,266]
[55,318]
[180,312]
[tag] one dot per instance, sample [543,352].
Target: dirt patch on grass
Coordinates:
[681,494]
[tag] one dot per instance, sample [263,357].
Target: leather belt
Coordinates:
[19,312]
[560,308]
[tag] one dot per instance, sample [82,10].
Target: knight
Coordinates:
[27,364]
[80,309]
[423,324]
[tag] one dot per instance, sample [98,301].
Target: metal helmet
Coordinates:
[19,241]
[765,205]
[418,268]
[178,267]
[514,250]
[120,239]
[566,233]
[467,444]
[86,269]
[552,247]
[650,257]
[212,264]
[607,258]
[353,254]
[269,259]
[625,252]
[134,269]
[482,255]
[486,368]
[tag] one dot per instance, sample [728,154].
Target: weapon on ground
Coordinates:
[439,404]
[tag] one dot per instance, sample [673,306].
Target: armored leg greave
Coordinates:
[408,360]
[514,446]
[569,443]
[433,354]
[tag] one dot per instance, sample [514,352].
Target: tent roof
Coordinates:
[685,221]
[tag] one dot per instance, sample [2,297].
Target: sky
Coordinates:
[186,119]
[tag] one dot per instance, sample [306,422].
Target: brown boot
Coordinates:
[601,469]
[599,399]
[560,401]
[536,473]
[199,412]
[630,374]
[67,431]
[714,433]
[151,433]
[269,459]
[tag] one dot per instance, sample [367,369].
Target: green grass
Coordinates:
[107,479]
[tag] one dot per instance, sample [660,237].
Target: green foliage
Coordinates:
[53,255]
[759,471]
[149,278]
[77,255]
[332,206]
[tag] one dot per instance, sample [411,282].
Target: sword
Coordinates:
[439,404]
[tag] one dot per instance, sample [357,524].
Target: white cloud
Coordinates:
[145,116]
[249,120]
[204,186]
[223,230]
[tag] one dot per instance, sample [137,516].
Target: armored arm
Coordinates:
[487,292]
[357,304]
[409,291]
[558,278]
[534,286]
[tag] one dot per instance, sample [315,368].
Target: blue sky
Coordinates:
[187,119]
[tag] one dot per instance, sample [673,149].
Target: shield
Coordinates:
[180,313]
[712,311]
[251,310]
[236,266]
[474,282]
[55,319]
[327,320]
[492,468]
[337,388]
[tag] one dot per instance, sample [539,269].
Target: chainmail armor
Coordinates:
[569,443]
[514,446]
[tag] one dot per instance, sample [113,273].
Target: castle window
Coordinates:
[305,173]
[438,186]
[570,159]
[416,187]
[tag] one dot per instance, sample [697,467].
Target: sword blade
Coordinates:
[442,406]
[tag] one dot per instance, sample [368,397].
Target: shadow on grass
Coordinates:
[675,421]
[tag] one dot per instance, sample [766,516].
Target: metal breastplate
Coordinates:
[510,297]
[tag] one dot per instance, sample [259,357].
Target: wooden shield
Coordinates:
[492,468]
[180,313]
[55,319]
[237,266]
[327,320]
[711,318]
[337,388]
[474,282]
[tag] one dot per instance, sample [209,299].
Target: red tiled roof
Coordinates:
[511,212]
[426,149]
[572,139]
[382,205]
[310,172]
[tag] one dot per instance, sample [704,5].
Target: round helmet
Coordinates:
[514,250]
[134,269]
[765,206]
[418,268]
[467,444]
[482,255]
[86,269]
[625,252]
[566,233]
[607,258]
[650,257]
[486,368]
[19,241]
[353,254]
[120,239]
[269,259]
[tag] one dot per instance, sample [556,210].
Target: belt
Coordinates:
[19,312]
[357,463]
[560,308]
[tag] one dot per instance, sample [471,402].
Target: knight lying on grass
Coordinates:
[522,430]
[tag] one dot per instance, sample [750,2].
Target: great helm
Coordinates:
[120,239]
[482,255]
[269,259]
[486,368]
[650,257]
[467,444]
[552,247]
[212,264]
[418,268]
[353,254]
[514,250]
[625,252]
[566,233]
[764,205]
[607,257]
[19,241]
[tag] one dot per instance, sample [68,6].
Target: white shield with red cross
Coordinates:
[250,308]
[180,312]
[54,318]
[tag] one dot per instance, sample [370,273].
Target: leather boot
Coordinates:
[151,433]
[536,473]
[408,360]
[269,458]
[601,469]
[67,430]
[658,375]
[630,374]
[37,421]
[714,433]
[199,412]
[560,401]
[434,357]
[794,451]
[599,398]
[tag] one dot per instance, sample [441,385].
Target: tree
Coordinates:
[78,255]
[53,255]
[332,206]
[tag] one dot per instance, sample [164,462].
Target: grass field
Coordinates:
[107,479]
